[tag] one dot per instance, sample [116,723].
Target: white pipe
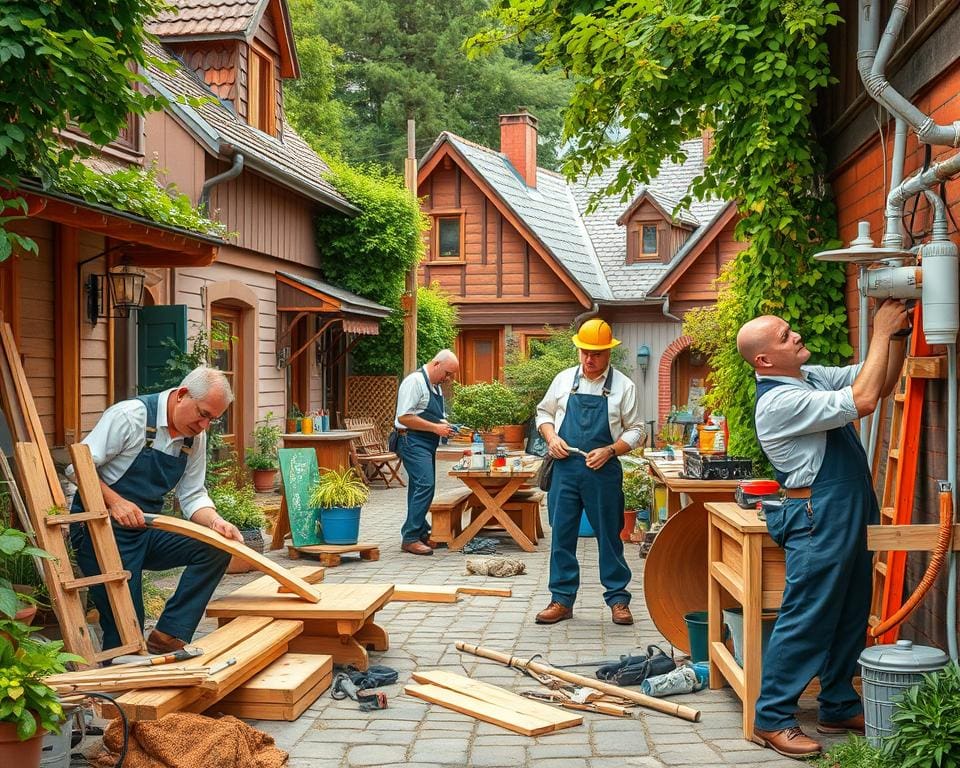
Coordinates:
[952,479]
[866,425]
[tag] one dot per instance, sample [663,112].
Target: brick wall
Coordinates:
[859,187]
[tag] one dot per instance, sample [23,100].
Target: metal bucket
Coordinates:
[55,752]
[887,672]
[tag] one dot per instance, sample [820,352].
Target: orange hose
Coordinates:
[933,569]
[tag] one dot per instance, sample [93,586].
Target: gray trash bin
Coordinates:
[888,671]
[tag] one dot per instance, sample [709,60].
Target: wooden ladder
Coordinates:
[900,477]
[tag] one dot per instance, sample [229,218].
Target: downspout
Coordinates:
[584,316]
[666,310]
[230,173]
[872,59]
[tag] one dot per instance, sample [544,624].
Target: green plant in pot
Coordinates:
[16,554]
[262,455]
[236,503]
[339,494]
[28,707]
[294,415]
[485,407]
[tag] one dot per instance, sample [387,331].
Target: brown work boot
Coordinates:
[620,612]
[161,642]
[429,542]
[416,548]
[850,725]
[789,742]
[553,613]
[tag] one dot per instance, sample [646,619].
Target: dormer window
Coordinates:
[261,90]
[648,240]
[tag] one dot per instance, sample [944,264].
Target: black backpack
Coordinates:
[633,670]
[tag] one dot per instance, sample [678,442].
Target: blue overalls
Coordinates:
[821,628]
[576,489]
[418,452]
[151,475]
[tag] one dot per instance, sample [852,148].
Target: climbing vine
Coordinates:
[649,75]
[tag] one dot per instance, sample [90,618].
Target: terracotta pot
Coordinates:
[23,754]
[26,614]
[293,426]
[513,435]
[253,538]
[491,440]
[264,479]
[629,522]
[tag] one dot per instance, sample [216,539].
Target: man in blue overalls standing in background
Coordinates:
[591,408]
[420,423]
[144,448]
[804,419]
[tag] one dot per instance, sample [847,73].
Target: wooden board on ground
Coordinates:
[330,554]
[254,641]
[491,704]
[278,573]
[442,593]
[283,690]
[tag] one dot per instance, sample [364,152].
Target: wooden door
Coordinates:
[690,369]
[226,345]
[157,327]
[479,356]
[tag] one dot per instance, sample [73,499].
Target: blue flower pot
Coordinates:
[341,525]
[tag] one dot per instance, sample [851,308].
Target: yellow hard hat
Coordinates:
[595,334]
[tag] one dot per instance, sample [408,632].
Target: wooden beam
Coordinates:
[907,538]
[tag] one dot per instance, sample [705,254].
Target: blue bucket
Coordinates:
[340,525]
[586,530]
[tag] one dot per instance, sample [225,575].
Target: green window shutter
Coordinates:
[154,325]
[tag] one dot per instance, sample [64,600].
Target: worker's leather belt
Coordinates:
[798,493]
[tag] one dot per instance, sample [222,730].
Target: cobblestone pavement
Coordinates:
[422,635]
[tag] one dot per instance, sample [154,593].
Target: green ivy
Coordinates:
[649,75]
[138,191]
[370,254]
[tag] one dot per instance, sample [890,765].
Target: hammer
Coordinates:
[187,652]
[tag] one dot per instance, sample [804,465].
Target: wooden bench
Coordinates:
[446,514]
[524,509]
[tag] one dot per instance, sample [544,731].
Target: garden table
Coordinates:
[491,490]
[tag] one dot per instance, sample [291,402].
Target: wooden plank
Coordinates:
[295,584]
[925,367]
[423,593]
[286,681]
[105,546]
[265,710]
[486,591]
[489,713]
[907,538]
[312,574]
[494,694]
[339,602]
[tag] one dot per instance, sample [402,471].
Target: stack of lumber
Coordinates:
[490,703]
[109,680]
[283,690]
[254,641]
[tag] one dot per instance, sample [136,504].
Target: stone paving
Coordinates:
[414,733]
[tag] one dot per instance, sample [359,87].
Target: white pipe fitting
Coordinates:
[941,319]
[893,282]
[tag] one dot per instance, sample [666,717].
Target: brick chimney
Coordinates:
[518,141]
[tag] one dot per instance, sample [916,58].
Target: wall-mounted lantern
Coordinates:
[121,287]
[643,359]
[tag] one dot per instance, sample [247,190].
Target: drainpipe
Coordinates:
[231,173]
[666,310]
[872,61]
[584,316]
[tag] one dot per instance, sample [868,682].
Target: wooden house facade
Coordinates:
[925,69]
[517,249]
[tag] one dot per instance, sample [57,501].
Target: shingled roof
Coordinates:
[549,211]
[211,18]
[634,281]
[288,161]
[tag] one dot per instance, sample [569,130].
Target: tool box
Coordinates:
[699,466]
[750,493]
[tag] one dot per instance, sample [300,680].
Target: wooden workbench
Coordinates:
[341,624]
[747,568]
[670,475]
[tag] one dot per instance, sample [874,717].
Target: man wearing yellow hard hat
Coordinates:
[588,417]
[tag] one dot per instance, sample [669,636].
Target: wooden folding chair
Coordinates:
[377,461]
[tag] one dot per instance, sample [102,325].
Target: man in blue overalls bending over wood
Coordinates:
[804,418]
[591,408]
[144,448]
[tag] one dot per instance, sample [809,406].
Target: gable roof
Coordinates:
[548,210]
[288,161]
[194,20]
[665,207]
[637,281]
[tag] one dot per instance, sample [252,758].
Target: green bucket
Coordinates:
[697,632]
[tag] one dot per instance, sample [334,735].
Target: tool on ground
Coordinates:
[480,545]
[187,652]
[633,670]
[559,697]
[353,682]
[222,666]
[667,708]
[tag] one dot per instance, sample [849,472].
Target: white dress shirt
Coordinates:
[120,435]
[623,410]
[792,421]
[413,397]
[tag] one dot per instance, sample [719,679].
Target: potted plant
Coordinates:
[485,407]
[262,455]
[339,494]
[16,598]
[294,415]
[637,496]
[236,503]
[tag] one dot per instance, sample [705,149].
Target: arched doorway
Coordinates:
[681,370]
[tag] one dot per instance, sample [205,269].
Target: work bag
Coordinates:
[633,670]
[545,473]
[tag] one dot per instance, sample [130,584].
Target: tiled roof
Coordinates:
[349,300]
[549,210]
[290,161]
[207,17]
[633,281]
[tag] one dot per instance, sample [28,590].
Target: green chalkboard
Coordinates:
[298,468]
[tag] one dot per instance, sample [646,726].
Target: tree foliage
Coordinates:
[370,254]
[649,75]
[404,59]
